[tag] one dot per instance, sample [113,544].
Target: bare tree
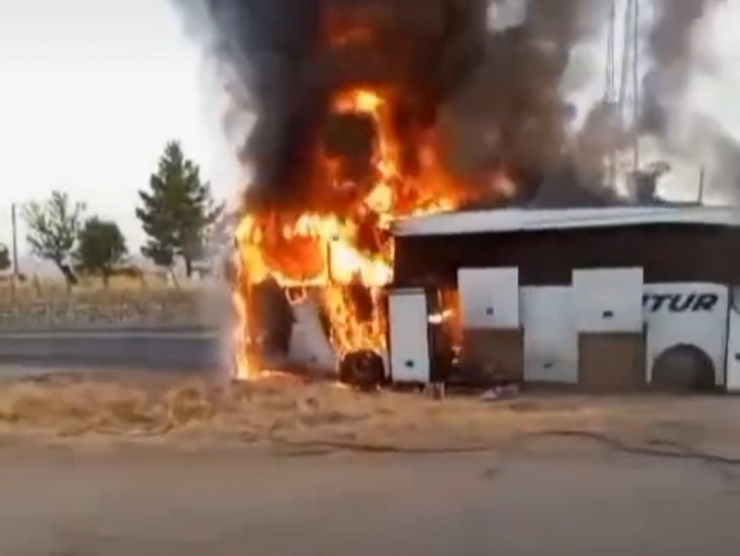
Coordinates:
[53,229]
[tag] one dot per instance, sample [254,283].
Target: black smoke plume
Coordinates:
[498,92]
[512,112]
[673,51]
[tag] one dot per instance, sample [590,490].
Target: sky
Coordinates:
[91,90]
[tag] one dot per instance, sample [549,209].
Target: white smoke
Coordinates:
[503,14]
[702,135]
[708,134]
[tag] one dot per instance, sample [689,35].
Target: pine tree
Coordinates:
[177,211]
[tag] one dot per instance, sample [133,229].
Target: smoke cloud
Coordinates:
[513,112]
[673,50]
[490,75]
[679,126]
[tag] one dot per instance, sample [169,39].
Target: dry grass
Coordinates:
[32,290]
[124,302]
[292,413]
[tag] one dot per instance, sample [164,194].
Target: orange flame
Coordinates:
[348,253]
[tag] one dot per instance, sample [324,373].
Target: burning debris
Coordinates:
[372,110]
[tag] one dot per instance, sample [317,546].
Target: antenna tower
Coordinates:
[629,89]
[610,102]
[621,102]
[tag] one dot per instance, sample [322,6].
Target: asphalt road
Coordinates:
[166,504]
[186,349]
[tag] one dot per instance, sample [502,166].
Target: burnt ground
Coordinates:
[92,467]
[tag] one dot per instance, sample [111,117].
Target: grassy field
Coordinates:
[50,304]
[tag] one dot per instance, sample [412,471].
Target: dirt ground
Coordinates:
[136,465]
[558,499]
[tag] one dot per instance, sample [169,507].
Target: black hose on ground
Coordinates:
[328,446]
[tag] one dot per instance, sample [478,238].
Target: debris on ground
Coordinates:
[500,393]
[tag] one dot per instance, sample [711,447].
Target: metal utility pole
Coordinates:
[702,180]
[610,102]
[626,59]
[610,86]
[636,82]
[13,220]
[631,75]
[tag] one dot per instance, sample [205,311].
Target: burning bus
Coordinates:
[605,299]
[375,122]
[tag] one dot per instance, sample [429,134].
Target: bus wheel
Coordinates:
[363,369]
[683,368]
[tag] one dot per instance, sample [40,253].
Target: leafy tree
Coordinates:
[53,227]
[101,248]
[177,211]
[4,258]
